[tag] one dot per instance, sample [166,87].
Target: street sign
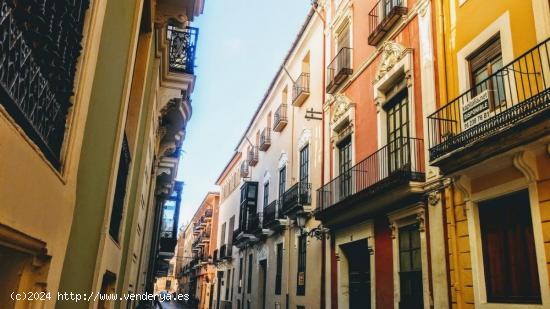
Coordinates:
[475,111]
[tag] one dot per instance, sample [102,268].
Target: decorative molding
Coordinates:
[343,104]
[283,160]
[304,138]
[434,198]
[526,163]
[462,183]
[267,176]
[393,229]
[392,53]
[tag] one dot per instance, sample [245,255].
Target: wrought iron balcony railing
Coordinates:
[183,44]
[253,156]
[382,18]
[265,139]
[272,214]
[296,197]
[254,222]
[208,213]
[516,93]
[40,51]
[339,69]
[400,161]
[280,119]
[300,89]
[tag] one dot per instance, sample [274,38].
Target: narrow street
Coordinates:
[284,154]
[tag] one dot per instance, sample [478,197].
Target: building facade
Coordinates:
[97,121]
[379,80]
[266,258]
[489,139]
[199,242]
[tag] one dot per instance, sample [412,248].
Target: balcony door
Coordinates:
[397,112]
[483,63]
[344,167]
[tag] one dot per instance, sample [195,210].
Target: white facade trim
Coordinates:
[401,218]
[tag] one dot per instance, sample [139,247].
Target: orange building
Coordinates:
[380,82]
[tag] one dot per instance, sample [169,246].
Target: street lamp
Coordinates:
[317,232]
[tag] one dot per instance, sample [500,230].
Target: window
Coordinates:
[397,112]
[120,191]
[222,239]
[344,151]
[282,181]
[228,284]
[483,63]
[343,38]
[410,267]
[232,284]
[279,270]
[249,281]
[168,284]
[230,235]
[266,194]
[40,51]
[240,274]
[301,280]
[509,258]
[304,164]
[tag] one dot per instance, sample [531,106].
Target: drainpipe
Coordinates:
[314,5]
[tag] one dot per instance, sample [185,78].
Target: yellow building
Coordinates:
[489,139]
[92,117]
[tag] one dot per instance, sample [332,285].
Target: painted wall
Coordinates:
[35,199]
[101,144]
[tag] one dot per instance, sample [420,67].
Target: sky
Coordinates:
[241,45]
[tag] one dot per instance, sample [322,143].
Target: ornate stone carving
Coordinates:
[304,138]
[283,159]
[342,105]
[420,216]
[392,52]
[434,197]
[393,228]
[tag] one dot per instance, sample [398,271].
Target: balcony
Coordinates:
[253,156]
[265,139]
[339,69]
[300,90]
[244,169]
[205,237]
[208,215]
[39,67]
[280,119]
[507,109]
[182,48]
[382,18]
[389,170]
[273,218]
[295,198]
